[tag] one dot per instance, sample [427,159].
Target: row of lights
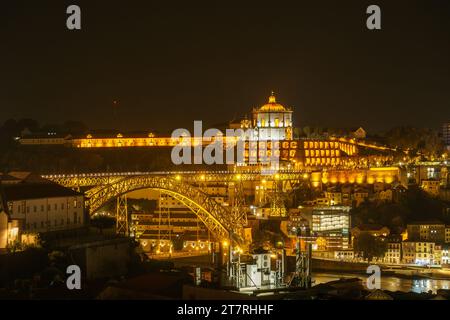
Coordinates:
[106,174]
[238,177]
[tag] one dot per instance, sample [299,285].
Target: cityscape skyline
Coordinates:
[225,151]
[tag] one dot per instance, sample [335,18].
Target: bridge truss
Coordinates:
[223,222]
[216,218]
[197,177]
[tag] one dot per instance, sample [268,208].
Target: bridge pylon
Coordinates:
[238,210]
[122,215]
[277,206]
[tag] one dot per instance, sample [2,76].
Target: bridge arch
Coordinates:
[216,218]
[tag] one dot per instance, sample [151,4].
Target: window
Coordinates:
[55,206]
[42,208]
[34,208]
[62,206]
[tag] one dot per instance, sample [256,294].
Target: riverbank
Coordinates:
[404,272]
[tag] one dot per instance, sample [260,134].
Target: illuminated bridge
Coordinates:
[188,188]
[184,186]
[101,179]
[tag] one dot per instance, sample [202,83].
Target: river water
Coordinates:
[390,283]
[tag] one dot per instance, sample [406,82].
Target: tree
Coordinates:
[307,131]
[414,205]
[417,140]
[370,246]
[29,124]
[50,127]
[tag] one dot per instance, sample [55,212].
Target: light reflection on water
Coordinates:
[390,283]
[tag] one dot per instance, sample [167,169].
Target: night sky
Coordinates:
[170,63]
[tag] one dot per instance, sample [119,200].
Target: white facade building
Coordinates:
[273,121]
[38,207]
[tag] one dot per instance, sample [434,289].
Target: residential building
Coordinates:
[4,227]
[359,196]
[334,197]
[431,186]
[438,251]
[385,195]
[344,254]
[33,205]
[445,256]
[394,252]
[375,230]
[323,201]
[427,231]
[379,186]
[419,252]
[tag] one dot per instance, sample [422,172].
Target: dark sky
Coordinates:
[169,63]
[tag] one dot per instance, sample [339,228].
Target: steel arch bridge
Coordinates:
[185,186]
[92,180]
[218,219]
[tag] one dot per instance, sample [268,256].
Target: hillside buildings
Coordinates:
[434,231]
[269,131]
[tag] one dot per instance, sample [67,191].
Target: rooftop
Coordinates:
[273,106]
[370,227]
[25,191]
[46,135]
[429,222]
[14,177]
